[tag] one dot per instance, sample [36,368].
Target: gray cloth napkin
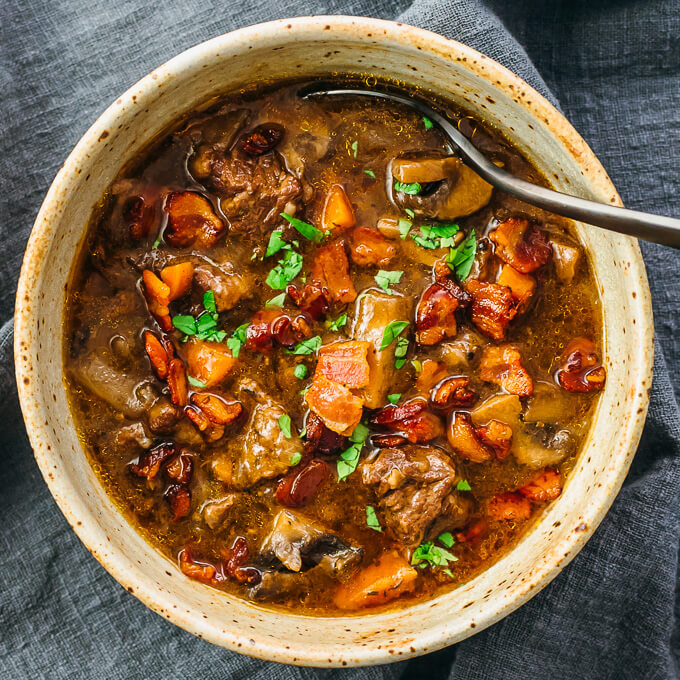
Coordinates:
[614,67]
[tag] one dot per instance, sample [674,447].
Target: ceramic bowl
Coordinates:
[311,47]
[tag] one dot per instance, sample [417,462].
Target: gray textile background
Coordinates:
[614,68]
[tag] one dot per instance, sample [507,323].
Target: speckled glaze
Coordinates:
[309,47]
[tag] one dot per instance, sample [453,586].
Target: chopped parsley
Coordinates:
[392,331]
[372,519]
[461,257]
[355,148]
[285,271]
[404,227]
[307,230]
[284,425]
[295,458]
[410,213]
[304,391]
[370,173]
[417,365]
[194,382]
[237,339]
[309,346]
[400,352]
[446,539]
[385,278]
[430,554]
[157,242]
[412,189]
[349,459]
[275,301]
[300,372]
[463,485]
[337,324]
[394,398]
[435,236]
[204,326]
[427,123]
[276,243]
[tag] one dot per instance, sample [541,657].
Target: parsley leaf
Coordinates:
[410,213]
[400,352]
[404,227]
[460,258]
[355,148]
[427,123]
[157,242]
[370,173]
[309,346]
[394,398]
[429,553]
[204,327]
[185,323]
[349,459]
[446,539]
[209,302]
[307,230]
[237,339]
[295,458]
[276,243]
[284,425]
[385,278]
[372,519]
[463,485]
[194,382]
[337,324]
[417,365]
[300,372]
[436,236]
[392,330]
[286,270]
[275,301]
[412,189]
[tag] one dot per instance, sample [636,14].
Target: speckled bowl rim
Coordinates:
[44,229]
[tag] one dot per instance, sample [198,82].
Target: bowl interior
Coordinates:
[313,47]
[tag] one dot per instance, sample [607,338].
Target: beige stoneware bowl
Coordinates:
[309,47]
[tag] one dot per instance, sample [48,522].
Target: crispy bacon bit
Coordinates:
[508,506]
[209,362]
[191,221]
[464,440]
[473,532]
[149,463]
[179,497]
[345,363]
[320,439]
[493,307]
[272,325]
[211,431]
[331,272]
[388,441]
[431,373]
[338,214]
[498,436]
[178,278]
[338,408]
[177,382]
[263,139]
[546,486]
[157,355]
[502,365]
[412,419]
[521,244]
[453,392]
[235,559]
[521,285]
[435,315]
[368,247]
[218,411]
[300,484]
[139,214]
[581,369]
[441,271]
[199,571]
[181,467]
[312,300]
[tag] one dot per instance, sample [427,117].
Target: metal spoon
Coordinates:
[656,228]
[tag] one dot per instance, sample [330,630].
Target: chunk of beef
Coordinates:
[374,311]
[521,244]
[162,416]
[493,308]
[228,286]
[414,483]
[261,450]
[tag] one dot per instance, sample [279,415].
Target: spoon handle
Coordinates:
[649,227]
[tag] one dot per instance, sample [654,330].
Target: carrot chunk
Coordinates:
[178,278]
[502,365]
[192,221]
[521,285]
[331,272]
[339,409]
[345,363]
[390,577]
[338,214]
[509,505]
[157,355]
[209,362]
[546,486]
[155,288]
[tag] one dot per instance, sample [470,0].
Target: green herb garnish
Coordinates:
[446,539]
[463,485]
[184,323]
[394,398]
[349,459]
[417,365]
[461,257]
[355,148]
[430,554]
[412,189]
[392,330]
[275,301]
[284,425]
[385,278]
[370,173]
[309,346]
[237,339]
[427,123]
[203,327]
[372,519]
[157,242]
[295,458]
[307,230]
[404,227]
[194,382]
[337,324]
[400,352]
[300,372]
[276,243]
[435,236]
[286,270]
[410,213]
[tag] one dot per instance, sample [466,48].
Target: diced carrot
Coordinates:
[157,355]
[390,577]
[345,363]
[177,382]
[338,214]
[339,409]
[178,278]
[546,486]
[209,362]
[155,288]
[331,272]
[508,506]
[521,285]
